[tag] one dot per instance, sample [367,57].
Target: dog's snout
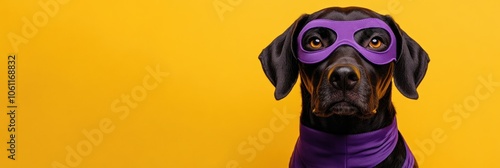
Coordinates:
[344,77]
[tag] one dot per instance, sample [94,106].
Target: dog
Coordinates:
[347,58]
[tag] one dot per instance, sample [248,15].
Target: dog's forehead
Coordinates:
[344,14]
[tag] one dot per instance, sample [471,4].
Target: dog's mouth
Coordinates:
[341,108]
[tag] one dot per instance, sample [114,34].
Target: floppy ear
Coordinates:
[411,64]
[279,61]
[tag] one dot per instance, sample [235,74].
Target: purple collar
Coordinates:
[320,150]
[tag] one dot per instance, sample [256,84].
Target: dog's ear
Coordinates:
[279,61]
[411,64]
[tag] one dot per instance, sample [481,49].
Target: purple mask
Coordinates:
[345,31]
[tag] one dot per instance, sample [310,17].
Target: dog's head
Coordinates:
[346,58]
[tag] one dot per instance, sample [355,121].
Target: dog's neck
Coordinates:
[347,124]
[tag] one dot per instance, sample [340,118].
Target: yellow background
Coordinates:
[91,53]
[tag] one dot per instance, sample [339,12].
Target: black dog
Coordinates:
[346,94]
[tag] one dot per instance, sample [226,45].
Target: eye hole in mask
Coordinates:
[318,38]
[375,39]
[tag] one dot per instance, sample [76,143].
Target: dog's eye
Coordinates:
[375,43]
[315,43]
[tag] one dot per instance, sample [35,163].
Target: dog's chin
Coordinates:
[342,109]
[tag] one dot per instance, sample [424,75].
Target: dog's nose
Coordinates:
[344,77]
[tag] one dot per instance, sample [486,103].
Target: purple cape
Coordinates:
[316,149]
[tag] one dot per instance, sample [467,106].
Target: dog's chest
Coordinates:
[319,149]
